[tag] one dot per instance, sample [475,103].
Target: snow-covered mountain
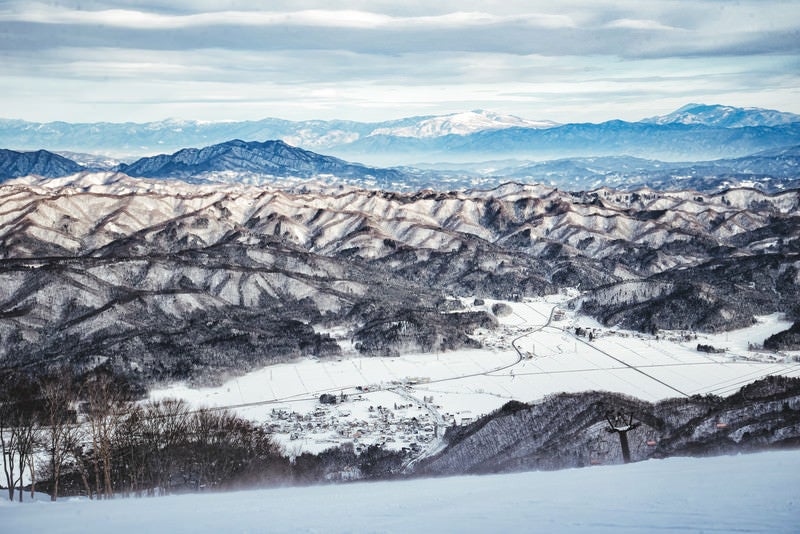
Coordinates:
[126,139]
[692,133]
[461,124]
[91,254]
[725,116]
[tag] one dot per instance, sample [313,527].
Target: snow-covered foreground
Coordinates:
[749,493]
[463,385]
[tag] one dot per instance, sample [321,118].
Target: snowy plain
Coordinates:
[532,354]
[745,493]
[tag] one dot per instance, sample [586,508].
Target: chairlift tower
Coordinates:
[619,424]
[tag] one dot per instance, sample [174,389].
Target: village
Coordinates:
[366,417]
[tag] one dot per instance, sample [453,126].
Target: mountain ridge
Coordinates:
[256,162]
[273,157]
[15,164]
[360,140]
[136,274]
[725,116]
[564,430]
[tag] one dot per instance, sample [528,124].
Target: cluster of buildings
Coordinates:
[402,426]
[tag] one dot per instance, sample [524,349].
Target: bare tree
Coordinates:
[227,448]
[8,446]
[134,476]
[27,431]
[61,431]
[107,403]
[166,423]
[18,430]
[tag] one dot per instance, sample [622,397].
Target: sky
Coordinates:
[371,60]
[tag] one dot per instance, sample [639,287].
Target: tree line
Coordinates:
[89,436]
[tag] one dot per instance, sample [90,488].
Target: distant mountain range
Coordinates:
[770,170]
[693,132]
[262,162]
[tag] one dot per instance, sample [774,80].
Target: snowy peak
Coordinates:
[725,116]
[460,137]
[465,123]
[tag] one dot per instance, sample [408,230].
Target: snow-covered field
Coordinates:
[463,385]
[748,493]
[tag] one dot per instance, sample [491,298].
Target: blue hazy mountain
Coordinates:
[137,139]
[674,141]
[14,164]
[725,116]
[770,171]
[694,132]
[272,158]
[251,162]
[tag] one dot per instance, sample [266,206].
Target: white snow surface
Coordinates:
[462,124]
[463,385]
[746,493]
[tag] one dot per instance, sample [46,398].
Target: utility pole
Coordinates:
[618,424]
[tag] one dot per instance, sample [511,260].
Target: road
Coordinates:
[593,347]
[438,443]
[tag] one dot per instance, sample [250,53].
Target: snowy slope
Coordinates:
[751,493]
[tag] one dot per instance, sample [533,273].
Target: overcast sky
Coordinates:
[568,61]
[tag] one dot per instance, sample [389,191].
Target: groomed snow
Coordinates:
[748,493]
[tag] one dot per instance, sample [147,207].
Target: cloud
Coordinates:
[379,58]
[347,19]
[707,29]
[637,24]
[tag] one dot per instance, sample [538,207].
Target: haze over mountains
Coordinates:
[694,132]
[474,135]
[272,161]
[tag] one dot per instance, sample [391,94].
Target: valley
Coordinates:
[526,359]
[335,321]
[399,266]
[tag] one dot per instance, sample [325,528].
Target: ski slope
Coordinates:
[748,493]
